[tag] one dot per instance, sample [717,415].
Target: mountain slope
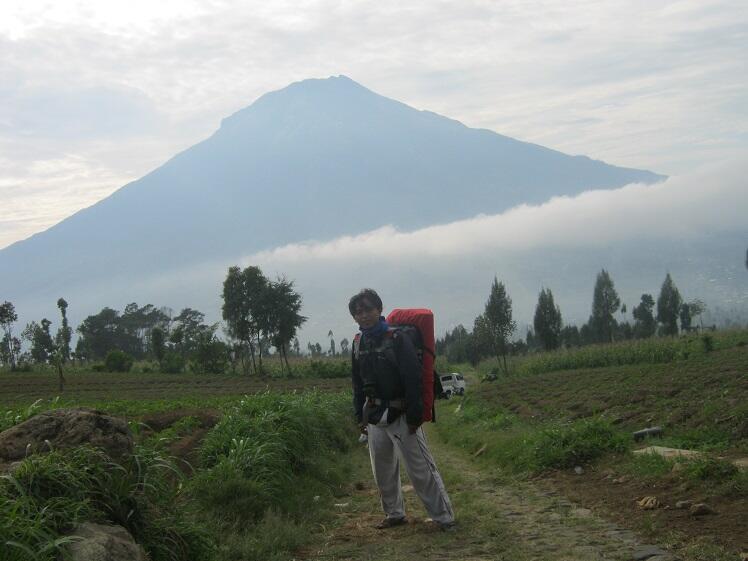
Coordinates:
[317,159]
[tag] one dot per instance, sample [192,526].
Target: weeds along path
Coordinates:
[497,519]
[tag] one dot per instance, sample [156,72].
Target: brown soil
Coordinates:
[184,449]
[595,489]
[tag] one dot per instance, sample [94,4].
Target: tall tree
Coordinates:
[697,307]
[644,320]
[685,316]
[668,306]
[65,333]
[332,343]
[497,325]
[605,303]
[547,321]
[244,310]
[8,317]
[42,345]
[283,318]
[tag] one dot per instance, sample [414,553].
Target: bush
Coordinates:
[575,444]
[118,361]
[260,446]
[173,363]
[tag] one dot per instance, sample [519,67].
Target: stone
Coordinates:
[683,504]
[578,470]
[619,480]
[648,503]
[581,512]
[481,450]
[66,428]
[666,452]
[647,552]
[649,431]
[700,509]
[98,542]
[741,463]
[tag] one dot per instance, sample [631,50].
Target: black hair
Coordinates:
[365,294]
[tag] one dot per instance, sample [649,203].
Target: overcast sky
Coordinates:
[95,94]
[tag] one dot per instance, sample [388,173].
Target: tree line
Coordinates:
[259,314]
[493,329]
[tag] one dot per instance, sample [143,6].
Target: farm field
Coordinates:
[538,466]
[22,388]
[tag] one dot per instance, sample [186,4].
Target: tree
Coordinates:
[547,321]
[158,343]
[668,306]
[243,309]
[64,334]
[101,333]
[605,303]
[332,343]
[282,317]
[644,321]
[497,324]
[344,346]
[570,336]
[42,345]
[697,307]
[685,317]
[8,317]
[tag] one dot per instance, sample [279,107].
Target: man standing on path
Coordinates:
[388,405]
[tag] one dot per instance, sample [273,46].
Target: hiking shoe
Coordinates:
[446,526]
[391,523]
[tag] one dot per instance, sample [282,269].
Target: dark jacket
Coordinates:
[387,368]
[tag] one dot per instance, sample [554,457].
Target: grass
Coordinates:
[262,466]
[654,350]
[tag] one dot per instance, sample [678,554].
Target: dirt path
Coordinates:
[497,519]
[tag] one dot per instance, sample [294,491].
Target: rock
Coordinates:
[578,470]
[700,509]
[649,431]
[677,467]
[481,450]
[646,552]
[648,503]
[683,504]
[66,428]
[666,452]
[104,543]
[407,488]
[619,480]
[581,512]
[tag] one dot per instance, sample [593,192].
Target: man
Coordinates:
[388,405]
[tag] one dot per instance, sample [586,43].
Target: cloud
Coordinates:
[678,208]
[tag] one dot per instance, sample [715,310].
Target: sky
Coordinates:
[96,94]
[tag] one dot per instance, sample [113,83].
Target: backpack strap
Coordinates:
[357,345]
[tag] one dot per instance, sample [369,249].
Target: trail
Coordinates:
[497,519]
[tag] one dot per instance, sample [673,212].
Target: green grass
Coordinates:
[253,498]
[655,350]
[519,446]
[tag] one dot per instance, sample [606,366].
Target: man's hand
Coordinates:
[363,428]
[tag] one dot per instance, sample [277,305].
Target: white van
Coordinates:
[452,384]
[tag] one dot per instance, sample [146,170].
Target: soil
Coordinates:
[186,448]
[496,519]
[595,489]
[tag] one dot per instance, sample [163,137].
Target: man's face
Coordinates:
[366,314]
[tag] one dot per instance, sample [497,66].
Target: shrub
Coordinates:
[577,443]
[173,363]
[118,361]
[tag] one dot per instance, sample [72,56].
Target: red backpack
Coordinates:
[418,324]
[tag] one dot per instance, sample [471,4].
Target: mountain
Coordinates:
[317,159]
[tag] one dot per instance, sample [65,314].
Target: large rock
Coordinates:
[97,542]
[66,428]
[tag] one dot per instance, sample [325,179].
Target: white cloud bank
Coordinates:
[678,208]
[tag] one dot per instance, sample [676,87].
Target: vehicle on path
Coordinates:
[452,384]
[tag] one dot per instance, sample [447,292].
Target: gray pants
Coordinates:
[387,444]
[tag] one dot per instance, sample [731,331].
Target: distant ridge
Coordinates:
[317,159]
